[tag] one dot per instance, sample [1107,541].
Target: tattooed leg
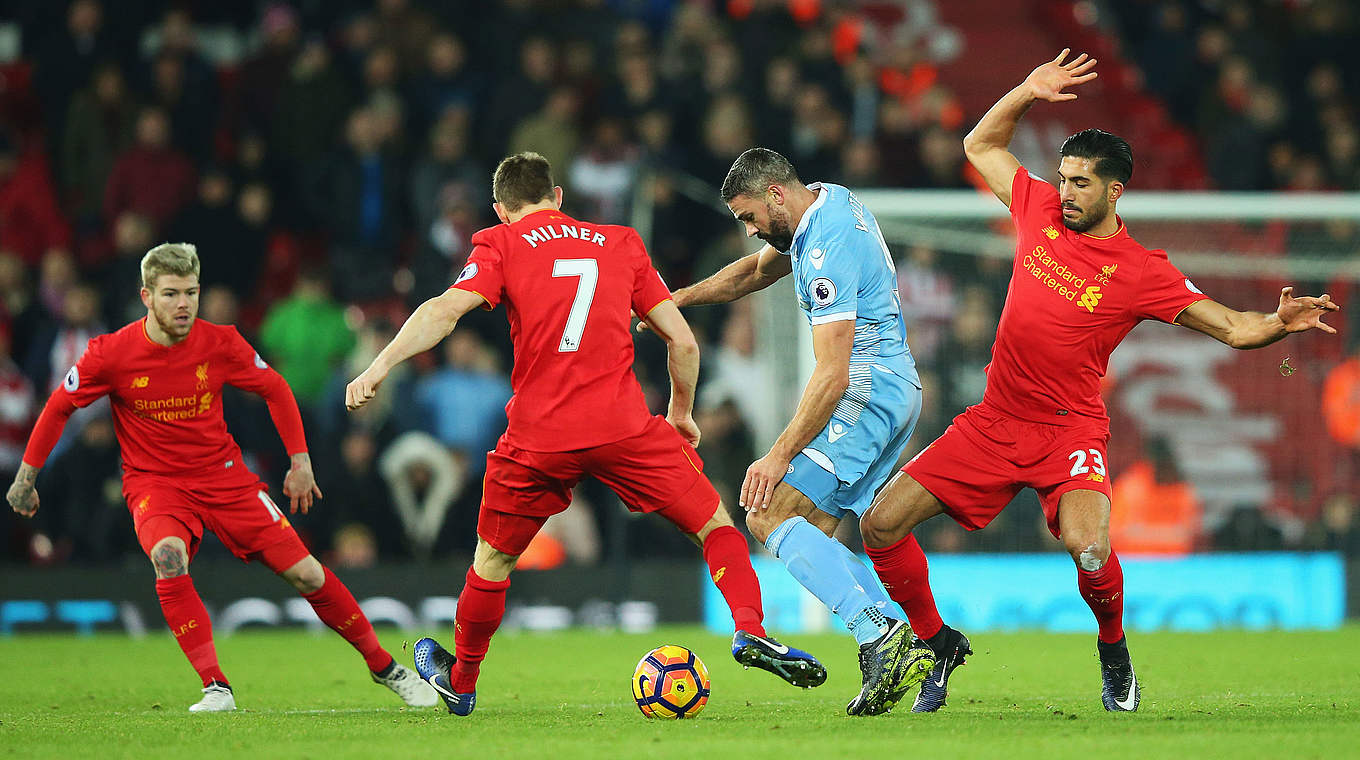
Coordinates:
[170,558]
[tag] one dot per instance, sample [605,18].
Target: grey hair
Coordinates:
[755,170]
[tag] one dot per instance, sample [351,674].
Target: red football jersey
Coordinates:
[568,287]
[167,400]
[1072,298]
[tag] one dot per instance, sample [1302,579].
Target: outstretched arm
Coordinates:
[746,275]
[23,494]
[431,322]
[987,146]
[832,343]
[682,352]
[1254,329]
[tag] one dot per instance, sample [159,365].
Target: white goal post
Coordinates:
[954,221]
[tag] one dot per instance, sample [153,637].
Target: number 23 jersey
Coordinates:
[1072,298]
[568,288]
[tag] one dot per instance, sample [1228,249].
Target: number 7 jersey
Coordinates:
[568,288]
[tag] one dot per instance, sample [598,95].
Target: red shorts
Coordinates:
[239,512]
[653,471]
[985,458]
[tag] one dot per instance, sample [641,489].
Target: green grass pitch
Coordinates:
[566,695]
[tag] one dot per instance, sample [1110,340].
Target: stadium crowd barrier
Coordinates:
[412,597]
[990,592]
[976,592]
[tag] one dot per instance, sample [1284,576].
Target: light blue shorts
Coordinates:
[850,459]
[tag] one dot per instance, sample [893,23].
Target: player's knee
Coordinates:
[1090,552]
[720,519]
[170,558]
[877,530]
[492,564]
[758,522]
[307,576]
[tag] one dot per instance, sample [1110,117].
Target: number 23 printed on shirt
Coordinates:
[1079,467]
[589,273]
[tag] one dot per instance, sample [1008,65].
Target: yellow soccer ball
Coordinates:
[670,682]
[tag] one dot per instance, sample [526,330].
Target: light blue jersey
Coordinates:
[842,271]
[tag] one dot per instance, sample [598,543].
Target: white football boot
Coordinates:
[217,697]
[408,686]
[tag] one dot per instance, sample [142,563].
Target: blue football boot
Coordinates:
[935,688]
[435,665]
[793,665]
[1119,690]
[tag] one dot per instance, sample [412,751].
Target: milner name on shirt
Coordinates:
[550,232]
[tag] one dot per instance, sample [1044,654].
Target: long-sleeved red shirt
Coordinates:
[167,400]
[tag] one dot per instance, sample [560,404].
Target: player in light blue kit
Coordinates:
[856,413]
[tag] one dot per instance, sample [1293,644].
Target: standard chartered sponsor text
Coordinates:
[1053,273]
[168,409]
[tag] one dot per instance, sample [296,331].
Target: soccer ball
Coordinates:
[670,682]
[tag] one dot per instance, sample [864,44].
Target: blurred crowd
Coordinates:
[332,158]
[1269,88]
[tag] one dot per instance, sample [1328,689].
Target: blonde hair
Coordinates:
[169,258]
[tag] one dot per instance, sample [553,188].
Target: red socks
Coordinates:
[729,565]
[336,607]
[1103,591]
[903,570]
[188,620]
[480,609]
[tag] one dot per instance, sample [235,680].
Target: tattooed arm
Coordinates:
[23,496]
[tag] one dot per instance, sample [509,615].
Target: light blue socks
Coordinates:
[834,575]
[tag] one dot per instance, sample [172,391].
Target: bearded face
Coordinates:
[779,234]
[1080,219]
[1084,194]
[765,220]
[173,304]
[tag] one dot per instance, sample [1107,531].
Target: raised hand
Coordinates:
[1304,312]
[1047,81]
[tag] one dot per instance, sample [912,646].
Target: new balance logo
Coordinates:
[141,382]
[1091,298]
[1051,232]
[718,575]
